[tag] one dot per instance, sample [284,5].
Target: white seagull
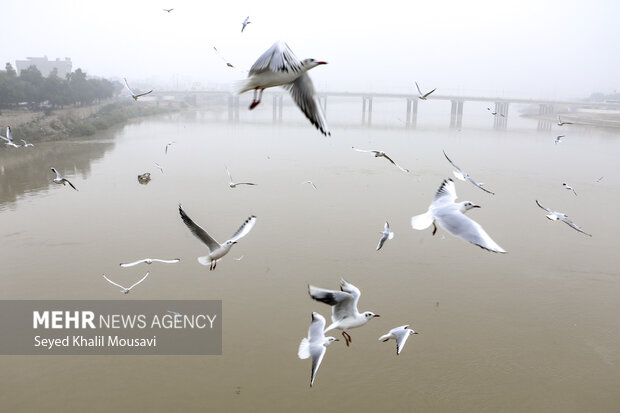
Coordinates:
[278,66]
[8,138]
[382,155]
[60,180]
[315,344]
[222,57]
[423,96]
[245,23]
[400,334]
[554,216]
[464,176]
[451,217]
[167,10]
[26,144]
[385,235]
[561,123]
[133,94]
[311,183]
[216,250]
[558,139]
[161,168]
[344,307]
[168,144]
[125,290]
[234,184]
[570,188]
[150,261]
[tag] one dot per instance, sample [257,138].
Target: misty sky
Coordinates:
[545,49]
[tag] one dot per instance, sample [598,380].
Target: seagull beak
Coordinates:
[336,339]
[321,63]
[376,315]
[476,206]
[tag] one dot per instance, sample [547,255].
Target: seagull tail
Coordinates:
[304,349]
[391,235]
[204,260]
[458,175]
[384,337]
[422,221]
[243,85]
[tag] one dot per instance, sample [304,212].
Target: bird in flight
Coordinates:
[554,216]
[562,123]
[8,138]
[134,95]
[167,145]
[381,154]
[245,23]
[464,176]
[168,10]
[278,66]
[400,334]
[558,139]
[150,261]
[423,96]
[26,144]
[315,345]
[222,57]
[60,180]
[385,235]
[568,187]
[125,290]
[234,184]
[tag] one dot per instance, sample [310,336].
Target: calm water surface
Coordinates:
[532,330]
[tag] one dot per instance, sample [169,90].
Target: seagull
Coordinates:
[311,183]
[554,216]
[382,154]
[278,66]
[26,144]
[222,57]
[234,184]
[123,289]
[561,123]
[400,334]
[216,250]
[60,180]
[315,344]
[245,23]
[9,138]
[558,139]
[161,168]
[144,178]
[600,179]
[451,217]
[150,261]
[344,307]
[385,235]
[464,176]
[240,258]
[422,95]
[497,113]
[168,144]
[168,10]
[570,188]
[133,95]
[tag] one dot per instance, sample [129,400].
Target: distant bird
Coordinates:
[554,216]
[161,168]
[382,155]
[315,344]
[497,113]
[234,184]
[600,179]
[26,144]
[240,258]
[464,176]
[134,95]
[311,183]
[558,139]
[168,10]
[144,178]
[423,96]
[245,23]
[400,334]
[561,123]
[125,290]
[570,188]
[216,250]
[222,57]
[344,307]
[278,66]
[385,235]
[60,180]
[150,261]
[451,217]
[168,144]
[9,139]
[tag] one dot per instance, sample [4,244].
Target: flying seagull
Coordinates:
[315,344]
[222,57]
[234,184]
[168,144]
[216,250]
[9,138]
[383,155]
[150,261]
[60,180]
[570,188]
[554,216]
[125,290]
[278,66]
[385,235]
[423,96]
[311,183]
[245,23]
[344,307]
[26,144]
[561,123]
[600,179]
[400,334]
[451,217]
[464,176]
[168,10]
[161,168]
[558,139]
[133,94]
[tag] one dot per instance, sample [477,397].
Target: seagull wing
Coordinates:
[454,165]
[131,264]
[460,225]
[6,139]
[418,87]
[317,352]
[382,241]
[363,150]
[343,303]
[198,232]
[278,58]
[173,261]
[470,179]
[243,230]
[58,175]
[425,96]
[230,180]
[545,208]
[402,333]
[70,184]
[142,94]
[127,86]
[445,194]
[302,91]
[316,327]
[141,279]
[395,164]
[112,282]
[573,225]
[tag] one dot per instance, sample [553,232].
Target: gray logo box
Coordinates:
[97,327]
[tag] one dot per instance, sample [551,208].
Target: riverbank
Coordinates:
[38,126]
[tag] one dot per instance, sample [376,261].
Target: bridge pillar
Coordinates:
[545,109]
[366,107]
[459,114]
[412,113]
[501,115]
[277,108]
[233,108]
[453,105]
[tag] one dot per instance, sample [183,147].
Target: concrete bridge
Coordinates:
[499,109]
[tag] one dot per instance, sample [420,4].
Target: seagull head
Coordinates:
[370,315]
[310,63]
[466,206]
[329,340]
[412,332]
